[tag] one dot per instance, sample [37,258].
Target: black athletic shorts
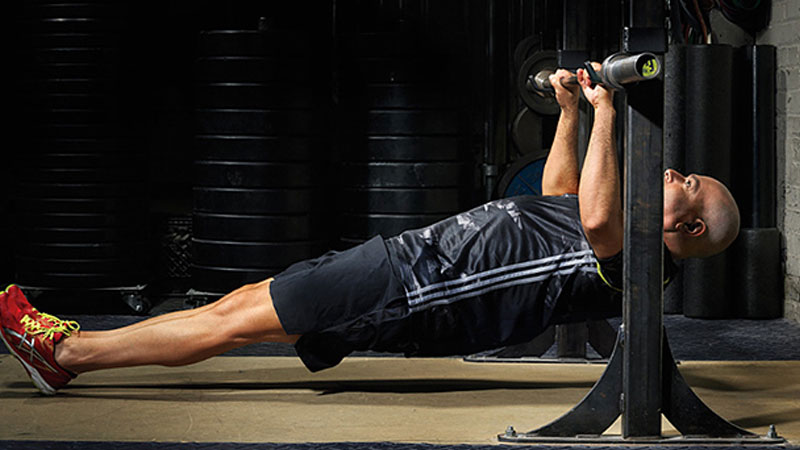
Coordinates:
[321,300]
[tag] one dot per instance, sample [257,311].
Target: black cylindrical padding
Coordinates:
[757,274]
[708,116]
[754,145]
[764,173]
[706,294]
[675,108]
[674,143]
[709,71]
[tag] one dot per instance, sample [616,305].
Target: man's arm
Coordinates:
[560,174]
[599,191]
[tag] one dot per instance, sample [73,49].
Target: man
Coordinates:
[496,275]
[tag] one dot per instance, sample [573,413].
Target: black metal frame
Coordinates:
[642,380]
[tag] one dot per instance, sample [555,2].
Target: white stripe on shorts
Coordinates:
[498,278]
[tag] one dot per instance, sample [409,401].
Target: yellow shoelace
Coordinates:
[33,327]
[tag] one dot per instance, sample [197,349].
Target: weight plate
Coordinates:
[446,122]
[79,160]
[526,48]
[253,95]
[78,266]
[80,131]
[77,235]
[84,86]
[75,55]
[402,201]
[402,174]
[257,148]
[80,280]
[236,69]
[253,254]
[526,131]
[252,174]
[523,177]
[79,190]
[74,116]
[544,60]
[256,122]
[69,219]
[365,226]
[253,201]
[48,131]
[73,25]
[110,145]
[72,101]
[96,250]
[73,10]
[79,205]
[74,40]
[254,227]
[396,70]
[226,279]
[403,148]
[377,96]
[252,43]
[71,70]
[80,175]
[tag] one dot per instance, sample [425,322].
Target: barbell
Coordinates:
[619,69]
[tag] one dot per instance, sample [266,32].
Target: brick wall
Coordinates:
[784,33]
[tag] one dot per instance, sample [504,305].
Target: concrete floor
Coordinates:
[440,401]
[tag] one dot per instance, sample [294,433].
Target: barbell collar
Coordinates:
[620,69]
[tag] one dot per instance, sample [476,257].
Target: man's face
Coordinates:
[683,197]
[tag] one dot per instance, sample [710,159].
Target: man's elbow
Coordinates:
[601,225]
[560,188]
[604,234]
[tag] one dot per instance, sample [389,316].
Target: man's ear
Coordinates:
[696,228]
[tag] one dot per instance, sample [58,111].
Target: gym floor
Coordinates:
[747,371]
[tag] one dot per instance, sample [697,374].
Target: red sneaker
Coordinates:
[32,336]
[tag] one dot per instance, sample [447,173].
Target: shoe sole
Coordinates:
[37,379]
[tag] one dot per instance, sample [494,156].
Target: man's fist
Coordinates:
[567,95]
[597,95]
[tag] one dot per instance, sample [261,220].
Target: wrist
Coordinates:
[605,108]
[569,110]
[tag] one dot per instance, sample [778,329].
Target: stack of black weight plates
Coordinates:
[257,134]
[78,196]
[402,135]
[6,263]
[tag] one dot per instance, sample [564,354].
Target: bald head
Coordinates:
[700,215]
[721,215]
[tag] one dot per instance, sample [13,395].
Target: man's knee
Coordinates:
[247,313]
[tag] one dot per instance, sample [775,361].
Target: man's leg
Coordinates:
[242,317]
[165,317]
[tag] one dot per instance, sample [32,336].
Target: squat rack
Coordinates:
[642,381]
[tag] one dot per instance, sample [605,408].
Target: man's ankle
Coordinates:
[64,354]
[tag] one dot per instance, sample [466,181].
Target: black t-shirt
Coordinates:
[501,273]
[610,270]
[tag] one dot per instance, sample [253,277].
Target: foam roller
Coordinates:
[757,273]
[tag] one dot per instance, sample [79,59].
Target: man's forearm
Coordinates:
[560,174]
[599,192]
